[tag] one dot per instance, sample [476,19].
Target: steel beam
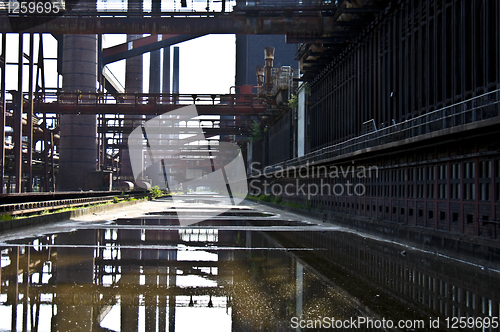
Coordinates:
[141,46]
[237,24]
[146,109]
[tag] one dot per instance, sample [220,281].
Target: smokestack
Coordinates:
[269,57]
[260,76]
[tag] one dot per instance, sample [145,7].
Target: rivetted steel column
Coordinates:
[166,71]
[175,76]
[133,84]
[154,71]
[2,118]
[133,70]
[18,120]
[78,149]
[154,60]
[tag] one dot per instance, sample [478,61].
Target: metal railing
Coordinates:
[89,98]
[483,107]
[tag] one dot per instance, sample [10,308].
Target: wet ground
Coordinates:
[251,268]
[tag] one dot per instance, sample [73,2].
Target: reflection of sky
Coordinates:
[207,319]
[192,5]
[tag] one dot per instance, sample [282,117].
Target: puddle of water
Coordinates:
[120,278]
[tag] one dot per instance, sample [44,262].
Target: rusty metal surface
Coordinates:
[148,104]
[165,25]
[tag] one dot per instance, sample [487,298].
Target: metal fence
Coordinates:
[483,107]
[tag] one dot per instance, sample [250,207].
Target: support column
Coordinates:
[45,152]
[18,120]
[78,146]
[166,70]
[29,128]
[154,71]
[2,117]
[175,78]
[133,84]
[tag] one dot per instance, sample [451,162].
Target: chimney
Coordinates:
[260,77]
[269,57]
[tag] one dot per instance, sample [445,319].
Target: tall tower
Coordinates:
[78,146]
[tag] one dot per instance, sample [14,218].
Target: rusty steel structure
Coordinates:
[56,115]
[409,88]
[414,96]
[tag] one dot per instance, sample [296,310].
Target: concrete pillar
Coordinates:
[18,122]
[78,145]
[133,70]
[175,77]
[133,84]
[2,117]
[154,72]
[166,70]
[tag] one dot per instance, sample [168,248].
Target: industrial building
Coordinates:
[380,116]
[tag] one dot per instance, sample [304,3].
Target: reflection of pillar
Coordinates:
[162,299]
[26,281]
[78,146]
[13,290]
[129,299]
[150,301]
[172,279]
[299,291]
[75,268]
[150,272]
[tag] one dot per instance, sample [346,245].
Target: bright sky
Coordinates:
[206,64]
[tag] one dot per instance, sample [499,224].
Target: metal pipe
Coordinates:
[29,169]
[2,118]
[45,155]
[18,114]
[175,78]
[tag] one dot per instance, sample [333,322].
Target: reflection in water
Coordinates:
[135,278]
